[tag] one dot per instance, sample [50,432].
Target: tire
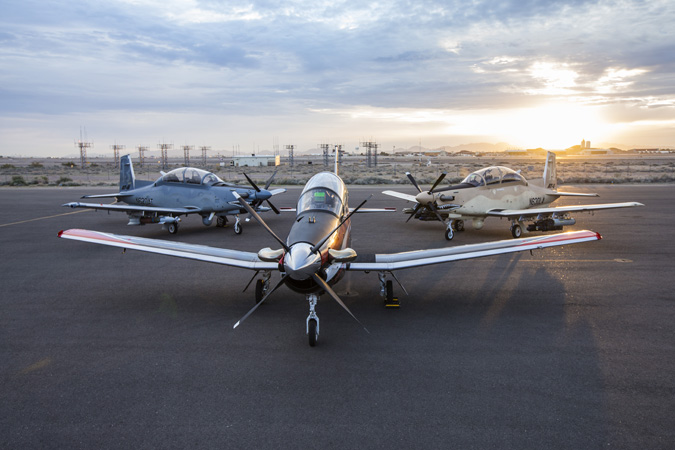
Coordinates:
[221,221]
[259,290]
[237,228]
[516,231]
[459,225]
[312,332]
[173,228]
[449,234]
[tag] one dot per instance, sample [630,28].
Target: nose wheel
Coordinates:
[237,225]
[312,320]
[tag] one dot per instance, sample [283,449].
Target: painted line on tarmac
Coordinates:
[43,218]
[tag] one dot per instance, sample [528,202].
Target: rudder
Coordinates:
[127,178]
[550,175]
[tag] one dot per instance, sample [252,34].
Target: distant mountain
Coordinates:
[474,147]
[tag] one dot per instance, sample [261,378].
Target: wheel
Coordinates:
[173,228]
[389,288]
[458,225]
[311,332]
[516,231]
[259,290]
[237,228]
[449,234]
[221,222]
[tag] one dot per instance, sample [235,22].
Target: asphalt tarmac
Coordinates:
[571,347]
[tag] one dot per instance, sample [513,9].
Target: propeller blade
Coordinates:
[417,208]
[281,281]
[274,208]
[323,241]
[321,282]
[412,180]
[269,182]
[255,186]
[433,208]
[251,280]
[252,212]
[438,182]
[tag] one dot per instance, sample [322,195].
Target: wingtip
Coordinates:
[60,233]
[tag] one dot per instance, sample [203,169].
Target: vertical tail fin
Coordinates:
[127,178]
[550,175]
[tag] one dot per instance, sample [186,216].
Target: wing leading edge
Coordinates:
[405,260]
[133,208]
[235,258]
[559,209]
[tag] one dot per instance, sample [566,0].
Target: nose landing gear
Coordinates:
[312,320]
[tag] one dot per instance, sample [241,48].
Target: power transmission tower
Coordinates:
[83,149]
[141,154]
[290,149]
[371,153]
[325,148]
[186,154]
[116,154]
[163,147]
[204,149]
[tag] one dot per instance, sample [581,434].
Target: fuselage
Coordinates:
[491,188]
[321,207]
[193,188]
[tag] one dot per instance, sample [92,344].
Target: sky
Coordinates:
[249,75]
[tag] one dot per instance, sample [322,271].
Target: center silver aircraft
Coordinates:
[317,252]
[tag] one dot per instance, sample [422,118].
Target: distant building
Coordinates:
[256,161]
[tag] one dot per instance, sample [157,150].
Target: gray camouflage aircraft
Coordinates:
[498,191]
[317,252]
[182,191]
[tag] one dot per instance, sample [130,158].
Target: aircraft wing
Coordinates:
[401,195]
[361,210]
[558,209]
[575,194]
[117,194]
[133,208]
[417,258]
[235,258]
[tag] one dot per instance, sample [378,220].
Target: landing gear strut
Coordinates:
[237,225]
[387,291]
[312,320]
[262,285]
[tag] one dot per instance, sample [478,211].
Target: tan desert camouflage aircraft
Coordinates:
[498,191]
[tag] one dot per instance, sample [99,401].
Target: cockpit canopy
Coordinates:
[494,175]
[322,192]
[191,175]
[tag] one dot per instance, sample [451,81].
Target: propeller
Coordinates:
[307,259]
[426,199]
[258,202]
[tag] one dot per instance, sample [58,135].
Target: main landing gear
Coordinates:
[262,285]
[237,225]
[387,291]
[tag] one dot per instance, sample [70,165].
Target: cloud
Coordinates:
[292,59]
